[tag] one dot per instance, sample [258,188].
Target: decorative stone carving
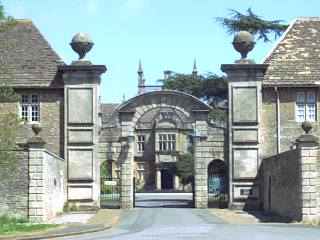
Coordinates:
[36,128]
[306,126]
[81,43]
[243,42]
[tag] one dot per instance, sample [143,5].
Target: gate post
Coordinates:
[126,194]
[81,125]
[245,100]
[200,166]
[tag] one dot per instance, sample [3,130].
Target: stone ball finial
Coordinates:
[36,128]
[81,43]
[306,126]
[243,42]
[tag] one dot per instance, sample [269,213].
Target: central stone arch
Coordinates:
[170,119]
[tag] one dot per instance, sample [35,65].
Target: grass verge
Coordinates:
[12,226]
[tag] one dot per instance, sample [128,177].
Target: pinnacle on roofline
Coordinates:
[140,70]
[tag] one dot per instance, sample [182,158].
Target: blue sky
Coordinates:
[164,34]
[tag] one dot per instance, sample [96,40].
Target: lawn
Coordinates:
[11,226]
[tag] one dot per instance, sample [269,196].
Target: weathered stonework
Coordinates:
[14,187]
[163,112]
[51,119]
[290,128]
[293,191]
[81,105]
[46,185]
[245,103]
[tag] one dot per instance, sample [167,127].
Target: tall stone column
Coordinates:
[81,124]
[244,91]
[245,100]
[200,162]
[127,191]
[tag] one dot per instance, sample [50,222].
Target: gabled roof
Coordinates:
[295,60]
[30,59]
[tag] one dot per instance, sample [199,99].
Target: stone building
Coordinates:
[67,135]
[273,164]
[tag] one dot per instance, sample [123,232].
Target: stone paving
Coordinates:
[73,218]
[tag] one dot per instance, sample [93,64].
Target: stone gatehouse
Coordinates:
[163,124]
[67,134]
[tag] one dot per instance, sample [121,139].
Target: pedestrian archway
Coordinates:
[218,184]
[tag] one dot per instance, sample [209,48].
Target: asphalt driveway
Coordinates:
[151,220]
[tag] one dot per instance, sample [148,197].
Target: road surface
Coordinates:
[165,217]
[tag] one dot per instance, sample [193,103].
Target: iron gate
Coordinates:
[110,193]
[217,184]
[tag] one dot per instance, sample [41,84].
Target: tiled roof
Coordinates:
[109,113]
[30,59]
[295,60]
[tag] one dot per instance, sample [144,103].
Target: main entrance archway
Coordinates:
[156,127]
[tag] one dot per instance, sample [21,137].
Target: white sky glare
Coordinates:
[164,34]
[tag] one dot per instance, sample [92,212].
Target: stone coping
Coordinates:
[48,152]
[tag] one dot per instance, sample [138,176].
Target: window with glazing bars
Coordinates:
[141,171]
[30,108]
[166,142]
[306,106]
[141,142]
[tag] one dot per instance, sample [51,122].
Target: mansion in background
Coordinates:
[67,134]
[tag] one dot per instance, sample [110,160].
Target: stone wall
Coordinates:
[290,128]
[213,145]
[14,185]
[51,119]
[109,144]
[291,184]
[46,186]
[281,184]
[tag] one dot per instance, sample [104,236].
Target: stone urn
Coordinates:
[306,126]
[81,43]
[36,128]
[243,42]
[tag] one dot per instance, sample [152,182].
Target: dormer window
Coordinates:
[30,108]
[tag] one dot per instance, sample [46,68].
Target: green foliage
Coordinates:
[108,189]
[210,88]
[184,168]
[186,83]
[252,23]
[105,170]
[218,114]
[11,225]
[8,120]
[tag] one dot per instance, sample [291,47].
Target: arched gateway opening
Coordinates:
[153,130]
[217,184]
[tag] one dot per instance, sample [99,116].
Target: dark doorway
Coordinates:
[166,179]
[218,184]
